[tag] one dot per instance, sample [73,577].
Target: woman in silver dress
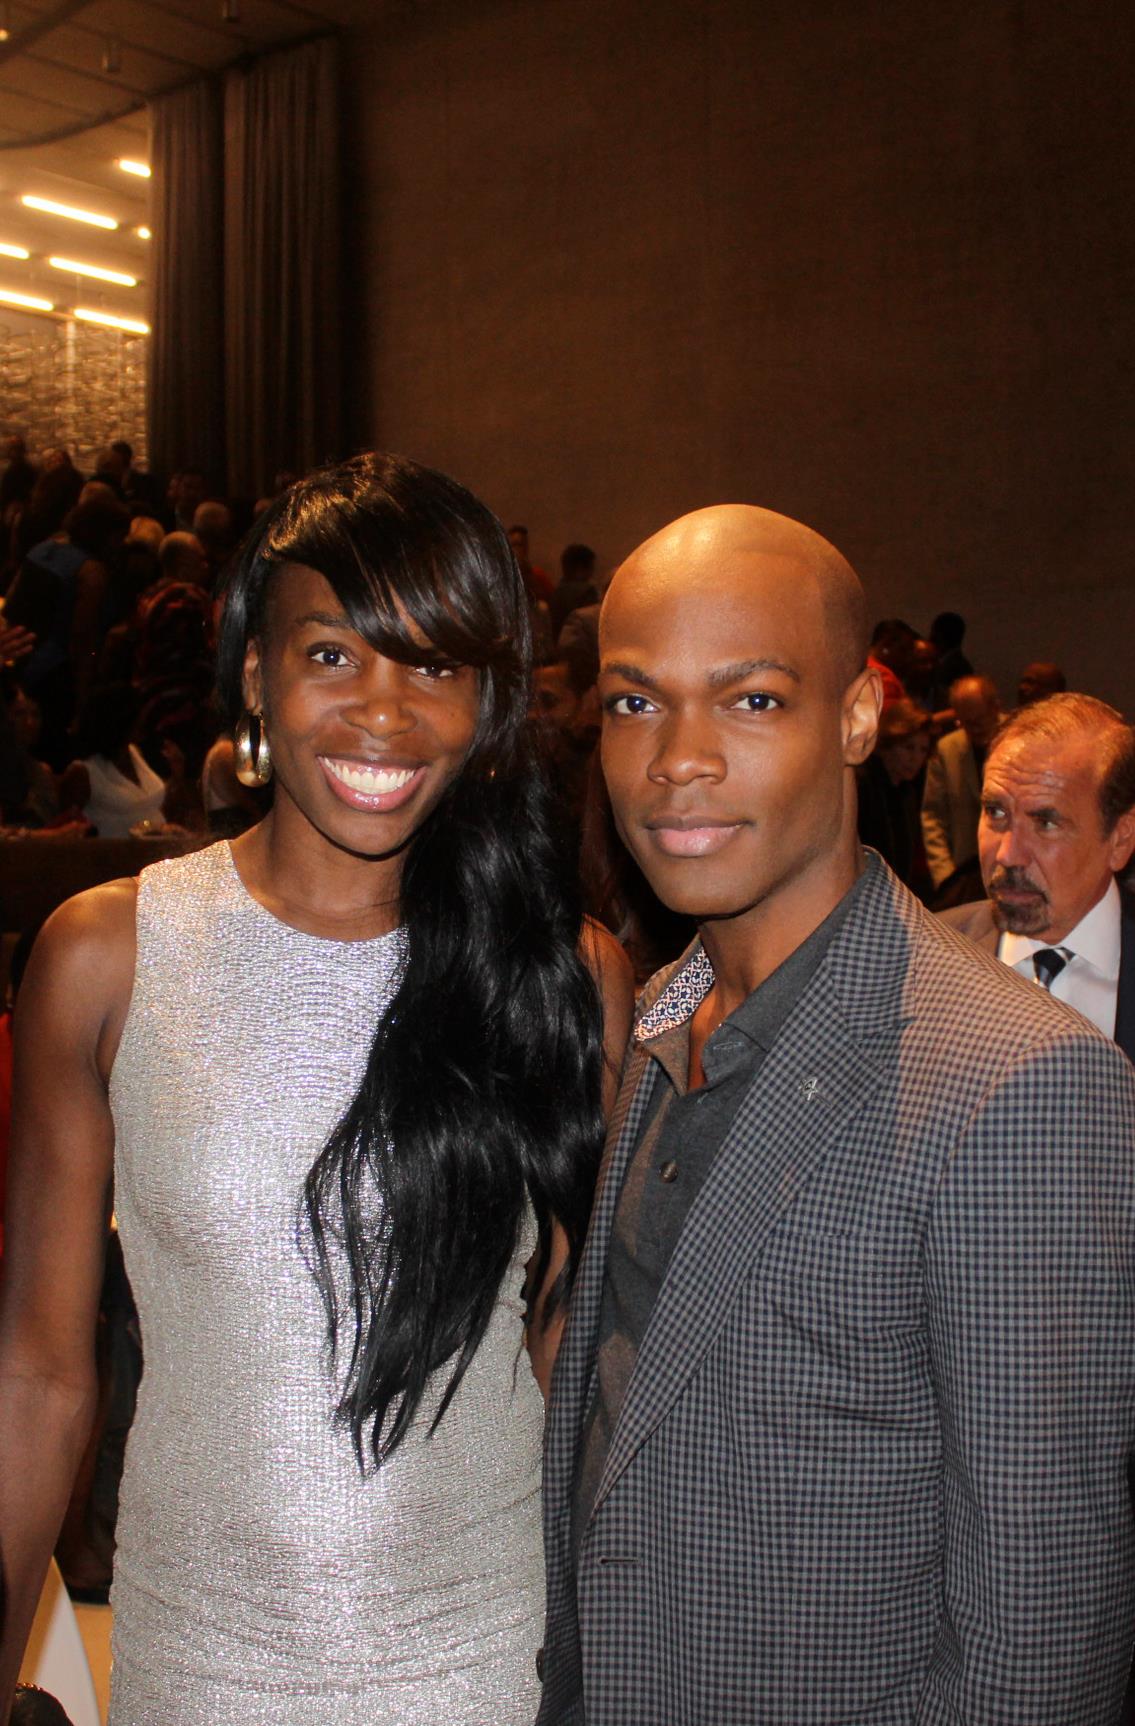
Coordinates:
[347,1075]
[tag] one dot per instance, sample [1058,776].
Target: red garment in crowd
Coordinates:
[892,684]
[538,582]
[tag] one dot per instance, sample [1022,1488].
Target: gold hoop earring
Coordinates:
[252,758]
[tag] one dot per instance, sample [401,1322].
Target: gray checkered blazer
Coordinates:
[871,1463]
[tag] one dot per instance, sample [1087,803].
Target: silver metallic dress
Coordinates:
[260,1579]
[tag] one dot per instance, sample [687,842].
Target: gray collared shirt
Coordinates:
[681,1135]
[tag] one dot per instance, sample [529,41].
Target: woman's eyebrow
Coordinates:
[325,619]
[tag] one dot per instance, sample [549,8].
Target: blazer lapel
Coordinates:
[814,1079]
[818,1075]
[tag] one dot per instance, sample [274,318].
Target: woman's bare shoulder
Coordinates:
[81,970]
[92,927]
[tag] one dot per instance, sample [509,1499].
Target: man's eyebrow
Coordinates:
[718,679]
[632,673]
[727,674]
[1046,813]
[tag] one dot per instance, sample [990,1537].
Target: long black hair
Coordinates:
[482,1088]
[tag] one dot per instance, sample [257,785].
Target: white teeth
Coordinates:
[371,781]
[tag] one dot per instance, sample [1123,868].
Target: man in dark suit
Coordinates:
[1057,826]
[841,1417]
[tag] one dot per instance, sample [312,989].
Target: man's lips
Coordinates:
[1015,890]
[691,835]
[376,786]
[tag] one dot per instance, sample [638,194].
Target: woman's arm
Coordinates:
[68,1021]
[614,979]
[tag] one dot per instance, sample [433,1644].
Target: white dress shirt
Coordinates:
[1090,980]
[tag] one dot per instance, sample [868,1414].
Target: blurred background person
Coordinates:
[889,793]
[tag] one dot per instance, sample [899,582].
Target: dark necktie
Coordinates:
[1048,962]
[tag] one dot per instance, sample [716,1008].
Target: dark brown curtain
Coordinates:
[185,405]
[283,380]
[245,371]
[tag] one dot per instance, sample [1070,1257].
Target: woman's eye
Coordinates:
[625,705]
[435,671]
[758,701]
[332,656]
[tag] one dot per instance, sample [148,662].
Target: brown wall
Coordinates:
[863,263]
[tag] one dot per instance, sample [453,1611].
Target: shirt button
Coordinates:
[668,1172]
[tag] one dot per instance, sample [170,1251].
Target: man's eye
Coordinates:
[758,701]
[626,705]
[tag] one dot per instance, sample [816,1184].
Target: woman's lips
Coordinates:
[370,785]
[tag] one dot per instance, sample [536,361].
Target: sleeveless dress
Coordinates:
[260,1579]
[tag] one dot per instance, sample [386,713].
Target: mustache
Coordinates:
[1013,879]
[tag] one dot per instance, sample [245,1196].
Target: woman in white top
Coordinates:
[112,783]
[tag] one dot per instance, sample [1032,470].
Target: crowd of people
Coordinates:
[113,588]
[835,1334]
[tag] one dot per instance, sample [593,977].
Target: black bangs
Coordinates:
[422,569]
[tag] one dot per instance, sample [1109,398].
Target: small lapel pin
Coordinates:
[810,1089]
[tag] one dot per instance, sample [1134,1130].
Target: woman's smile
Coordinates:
[371,785]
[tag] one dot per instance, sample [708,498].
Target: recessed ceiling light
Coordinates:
[5,21]
[14,252]
[142,169]
[28,301]
[143,233]
[90,317]
[50,208]
[74,268]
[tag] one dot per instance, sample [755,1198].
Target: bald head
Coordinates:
[975,702]
[182,558]
[736,707]
[732,551]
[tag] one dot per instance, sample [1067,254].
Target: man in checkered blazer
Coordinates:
[840,1423]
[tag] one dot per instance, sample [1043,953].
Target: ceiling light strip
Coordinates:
[74,268]
[28,301]
[92,317]
[50,208]
[7,251]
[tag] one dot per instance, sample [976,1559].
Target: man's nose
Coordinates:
[688,749]
[1012,848]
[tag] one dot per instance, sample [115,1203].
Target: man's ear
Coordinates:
[862,705]
[250,681]
[1122,841]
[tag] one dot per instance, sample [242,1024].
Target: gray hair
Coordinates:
[1064,718]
